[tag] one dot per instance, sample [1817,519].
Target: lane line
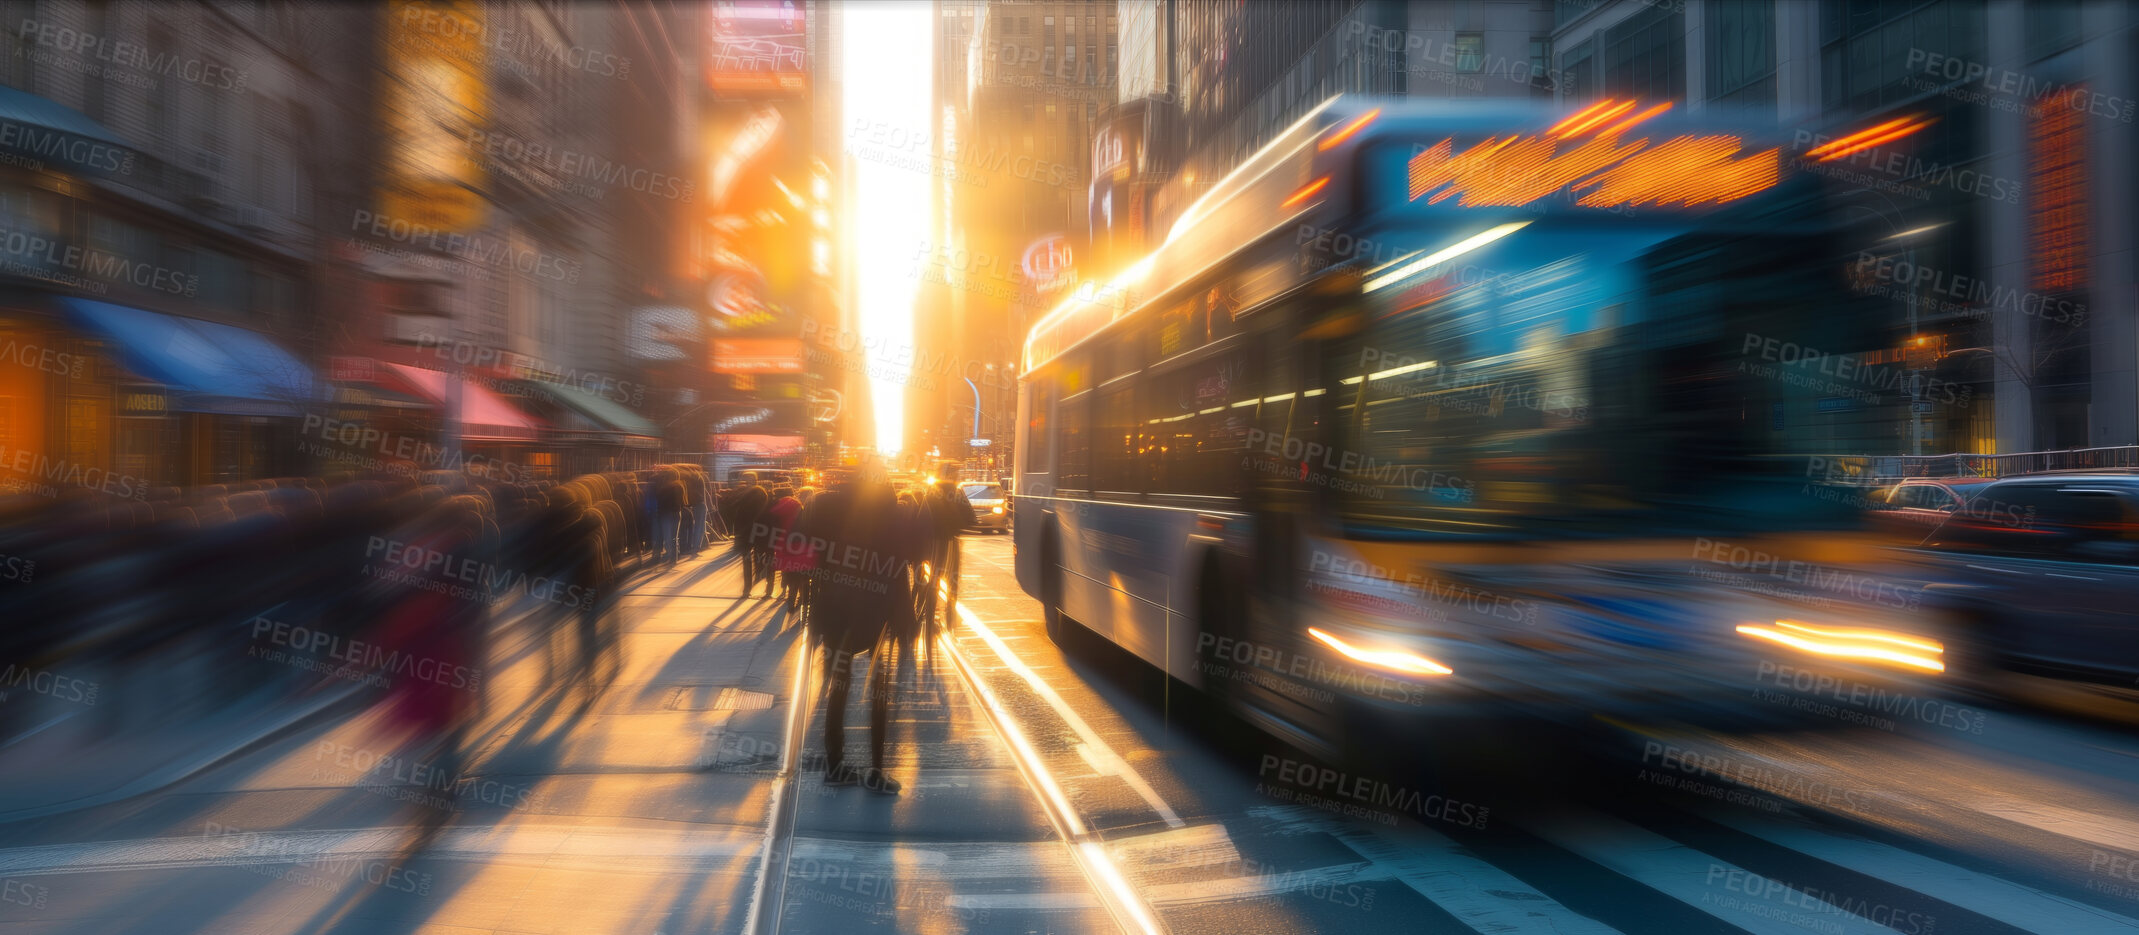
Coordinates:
[778,846]
[1099,748]
[1122,902]
[2014,904]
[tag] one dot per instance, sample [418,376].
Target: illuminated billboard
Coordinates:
[757,355]
[757,48]
[433,98]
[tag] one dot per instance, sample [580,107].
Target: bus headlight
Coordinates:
[1395,660]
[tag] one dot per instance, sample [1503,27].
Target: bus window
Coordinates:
[1039,428]
[1114,468]
[1075,416]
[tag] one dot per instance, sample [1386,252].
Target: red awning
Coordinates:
[484,416]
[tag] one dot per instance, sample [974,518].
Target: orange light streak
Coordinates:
[1637,118]
[1685,171]
[1864,139]
[1305,192]
[1578,115]
[1608,114]
[1349,129]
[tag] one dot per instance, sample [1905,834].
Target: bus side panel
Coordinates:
[1028,517]
[1152,547]
[1087,595]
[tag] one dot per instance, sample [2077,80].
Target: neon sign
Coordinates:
[1604,171]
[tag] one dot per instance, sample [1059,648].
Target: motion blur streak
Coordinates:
[891,201]
[1448,254]
[1385,658]
[1843,649]
[1877,636]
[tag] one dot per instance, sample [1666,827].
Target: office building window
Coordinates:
[1741,52]
[1577,79]
[2052,27]
[1541,84]
[1645,56]
[1864,47]
[1470,52]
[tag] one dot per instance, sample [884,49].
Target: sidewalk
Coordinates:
[86,736]
[65,760]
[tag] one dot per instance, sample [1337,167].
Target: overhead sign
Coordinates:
[143,399]
[738,303]
[826,403]
[661,332]
[762,446]
[980,442]
[434,97]
[757,355]
[353,369]
[1049,264]
[758,47]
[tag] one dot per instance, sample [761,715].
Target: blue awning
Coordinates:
[209,367]
[57,136]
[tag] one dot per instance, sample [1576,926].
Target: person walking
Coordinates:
[953,515]
[791,552]
[670,499]
[863,587]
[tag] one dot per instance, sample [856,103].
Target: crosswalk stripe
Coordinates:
[2091,827]
[1477,893]
[2011,903]
[1692,877]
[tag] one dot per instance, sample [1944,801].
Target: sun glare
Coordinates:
[886,78]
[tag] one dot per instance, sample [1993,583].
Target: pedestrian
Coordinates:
[744,507]
[792,555]
[863,587]
[670,500]
[953,515]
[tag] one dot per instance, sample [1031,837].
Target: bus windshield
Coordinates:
[1528,387]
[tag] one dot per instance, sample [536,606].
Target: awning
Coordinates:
[607,415]
[209,367]
[51,134]
[484,416]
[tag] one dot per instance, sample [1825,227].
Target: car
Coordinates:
[991,506]
[2038,575]
[1912,508]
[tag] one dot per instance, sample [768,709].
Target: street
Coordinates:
[1046,793]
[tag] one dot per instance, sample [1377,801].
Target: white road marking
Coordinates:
[1695,878]
[1069,716]
[1024,901]
[2008,902]
[1435,866]
[2091,827]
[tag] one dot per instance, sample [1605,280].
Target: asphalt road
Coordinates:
[1053,791]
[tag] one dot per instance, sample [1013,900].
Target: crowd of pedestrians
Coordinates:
[860,563]
[185,600]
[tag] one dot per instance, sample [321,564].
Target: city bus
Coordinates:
[1438,406]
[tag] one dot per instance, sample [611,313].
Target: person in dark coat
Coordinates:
[863,589]
[670,502]
[953,514]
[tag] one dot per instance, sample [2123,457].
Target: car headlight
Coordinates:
[995,509]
